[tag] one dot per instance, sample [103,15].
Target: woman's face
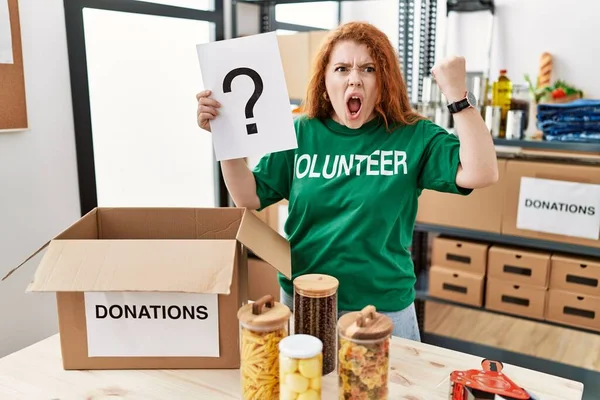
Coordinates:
[351,84]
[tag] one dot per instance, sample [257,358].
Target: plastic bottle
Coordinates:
[501,97]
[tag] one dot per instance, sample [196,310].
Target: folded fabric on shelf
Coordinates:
[576,121]
[582,137]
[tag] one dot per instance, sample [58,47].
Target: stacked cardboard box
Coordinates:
[517,281]
[458,270]
[523,282]
[574,295]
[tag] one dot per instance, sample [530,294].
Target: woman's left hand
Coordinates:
[478,165]
[451,76]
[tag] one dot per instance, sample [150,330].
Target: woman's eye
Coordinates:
[340,69]
[369,69]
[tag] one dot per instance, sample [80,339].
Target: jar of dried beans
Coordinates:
[263,324]
[315,313]
[300,366]
[363,354]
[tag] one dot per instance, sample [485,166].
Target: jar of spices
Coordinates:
[263,324]
[363,354]
[315,313]
[300,366]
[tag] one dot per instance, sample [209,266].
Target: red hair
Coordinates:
[393,104]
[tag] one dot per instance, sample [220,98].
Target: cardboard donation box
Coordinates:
[154,287]
[555,202]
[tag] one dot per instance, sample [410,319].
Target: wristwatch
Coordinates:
[468,101]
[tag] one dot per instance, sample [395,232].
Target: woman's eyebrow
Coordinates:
[367,64]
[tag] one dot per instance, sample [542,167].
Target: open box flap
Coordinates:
[193,266]
[266,243]
[84,228]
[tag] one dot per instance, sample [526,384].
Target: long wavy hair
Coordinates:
[393,104]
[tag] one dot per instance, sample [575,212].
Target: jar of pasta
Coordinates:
[363,354]
[315,312]
[300,367]
[263,324]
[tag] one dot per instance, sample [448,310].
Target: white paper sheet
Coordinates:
[257,56]
[6,52]
[152,324]
[559,207]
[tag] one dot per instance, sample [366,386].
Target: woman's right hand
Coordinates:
[207,109]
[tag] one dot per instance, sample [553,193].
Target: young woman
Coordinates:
[362,160]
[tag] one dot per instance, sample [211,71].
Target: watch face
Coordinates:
[471,99]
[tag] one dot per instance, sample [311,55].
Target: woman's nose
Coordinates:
[354,79]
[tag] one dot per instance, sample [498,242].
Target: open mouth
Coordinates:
[354,105]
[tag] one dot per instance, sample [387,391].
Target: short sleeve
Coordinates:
[273,176]
[441,159]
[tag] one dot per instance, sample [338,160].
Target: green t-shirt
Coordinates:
[353,197]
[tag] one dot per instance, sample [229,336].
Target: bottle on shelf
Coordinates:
[501,97]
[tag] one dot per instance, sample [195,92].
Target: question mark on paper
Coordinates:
[258,89]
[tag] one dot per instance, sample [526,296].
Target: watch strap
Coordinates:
[458,105]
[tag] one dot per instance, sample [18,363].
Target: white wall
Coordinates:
[526,28]
[38,175]
[381,13]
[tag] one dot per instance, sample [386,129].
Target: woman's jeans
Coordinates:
[405,321]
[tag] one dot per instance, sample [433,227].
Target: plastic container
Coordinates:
[300,366]
[364,354]
[315,313]
[263,324]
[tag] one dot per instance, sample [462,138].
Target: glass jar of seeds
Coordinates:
[315,313]
[263,324]
[300,366]
[363,354]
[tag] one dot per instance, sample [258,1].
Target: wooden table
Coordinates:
[418,372]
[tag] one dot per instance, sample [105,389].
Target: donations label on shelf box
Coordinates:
[559,207]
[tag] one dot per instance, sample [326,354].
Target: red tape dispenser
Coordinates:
[487,384]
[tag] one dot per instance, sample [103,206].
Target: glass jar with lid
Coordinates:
[521,100]
[263,324]
[300,367]
[364,354]
[315,313]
